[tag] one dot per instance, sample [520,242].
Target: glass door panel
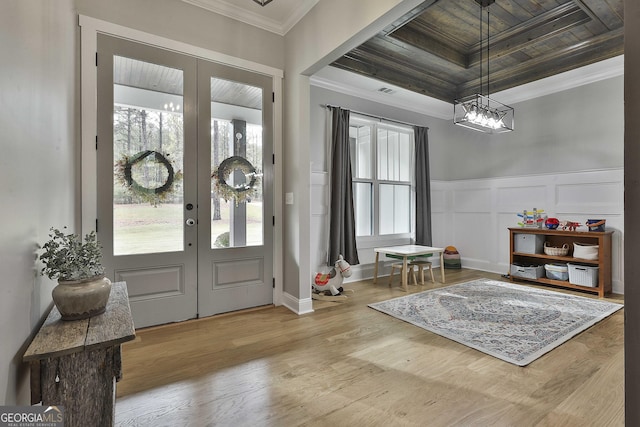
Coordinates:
[237,214]
[148,157]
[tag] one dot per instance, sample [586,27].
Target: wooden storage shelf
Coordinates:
[558,238]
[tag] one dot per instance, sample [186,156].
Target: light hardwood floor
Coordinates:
[349,365]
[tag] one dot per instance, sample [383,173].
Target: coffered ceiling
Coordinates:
[436,49]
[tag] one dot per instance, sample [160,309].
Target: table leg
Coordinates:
[375,269]
[405,274]
[442,265]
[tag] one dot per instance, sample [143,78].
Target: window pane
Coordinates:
[395,209]
[360,150]
[394,155]
[404,157]
[237,218]
[362,201]
[148,149]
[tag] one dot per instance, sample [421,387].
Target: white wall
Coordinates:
[38,163]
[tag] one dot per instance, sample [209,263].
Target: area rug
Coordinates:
[512,322]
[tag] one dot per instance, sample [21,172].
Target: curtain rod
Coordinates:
[377,117]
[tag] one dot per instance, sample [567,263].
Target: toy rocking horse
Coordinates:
[328,286]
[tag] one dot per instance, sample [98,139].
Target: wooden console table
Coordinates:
[75,364]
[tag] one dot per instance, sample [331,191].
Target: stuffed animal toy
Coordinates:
[328,286]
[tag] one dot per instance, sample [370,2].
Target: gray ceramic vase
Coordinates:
[81,299]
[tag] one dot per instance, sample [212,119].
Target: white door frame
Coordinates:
[89,29]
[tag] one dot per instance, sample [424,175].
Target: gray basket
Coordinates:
[527,271]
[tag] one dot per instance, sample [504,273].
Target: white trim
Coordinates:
[89,127]
[298,306]
[278,186]
[89,29]
[401,98]
[592,73]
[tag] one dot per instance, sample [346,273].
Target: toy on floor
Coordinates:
[328,286]
[451,258]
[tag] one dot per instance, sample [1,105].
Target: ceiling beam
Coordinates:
[387,71]
[542,27]
[424,41]
[582,53]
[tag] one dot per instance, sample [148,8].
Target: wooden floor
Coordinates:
[349,365]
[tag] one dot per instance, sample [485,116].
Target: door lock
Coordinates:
[191,222]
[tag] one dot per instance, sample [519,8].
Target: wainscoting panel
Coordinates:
[473,200]
[482,237]
[526,196]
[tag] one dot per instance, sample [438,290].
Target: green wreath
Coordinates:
[152,195]
[242,192]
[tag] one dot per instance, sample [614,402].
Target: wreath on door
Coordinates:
[240,192]
[153,195]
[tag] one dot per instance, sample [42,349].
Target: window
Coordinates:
[382,169]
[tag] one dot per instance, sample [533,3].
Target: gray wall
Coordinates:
[38,132]
[575,130]
[190,24]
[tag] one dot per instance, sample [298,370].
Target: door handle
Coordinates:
[191,222]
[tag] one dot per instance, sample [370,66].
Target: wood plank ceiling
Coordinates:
[436,50]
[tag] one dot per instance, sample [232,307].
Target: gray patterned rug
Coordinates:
[512,322]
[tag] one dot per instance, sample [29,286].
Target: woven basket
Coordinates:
[553,251]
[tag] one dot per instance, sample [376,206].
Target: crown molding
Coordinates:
[602,70]
[336,80]
[221,7]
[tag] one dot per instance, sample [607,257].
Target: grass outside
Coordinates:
[142,228]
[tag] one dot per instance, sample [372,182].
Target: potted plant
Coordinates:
[82,289]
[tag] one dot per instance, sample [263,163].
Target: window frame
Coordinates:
[376,239]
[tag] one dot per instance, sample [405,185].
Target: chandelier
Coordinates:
[263,2]
[480,112]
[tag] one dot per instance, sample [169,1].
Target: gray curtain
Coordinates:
[342,225]
[423,187]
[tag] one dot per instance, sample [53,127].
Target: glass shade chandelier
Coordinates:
[263,2]
[480,112]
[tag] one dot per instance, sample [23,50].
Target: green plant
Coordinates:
[67,257]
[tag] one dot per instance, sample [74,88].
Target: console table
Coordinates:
[76,364]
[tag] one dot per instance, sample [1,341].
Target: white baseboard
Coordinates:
[298,306]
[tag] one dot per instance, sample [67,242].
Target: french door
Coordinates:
[185,179]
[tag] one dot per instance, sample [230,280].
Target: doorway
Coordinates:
[185,181]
